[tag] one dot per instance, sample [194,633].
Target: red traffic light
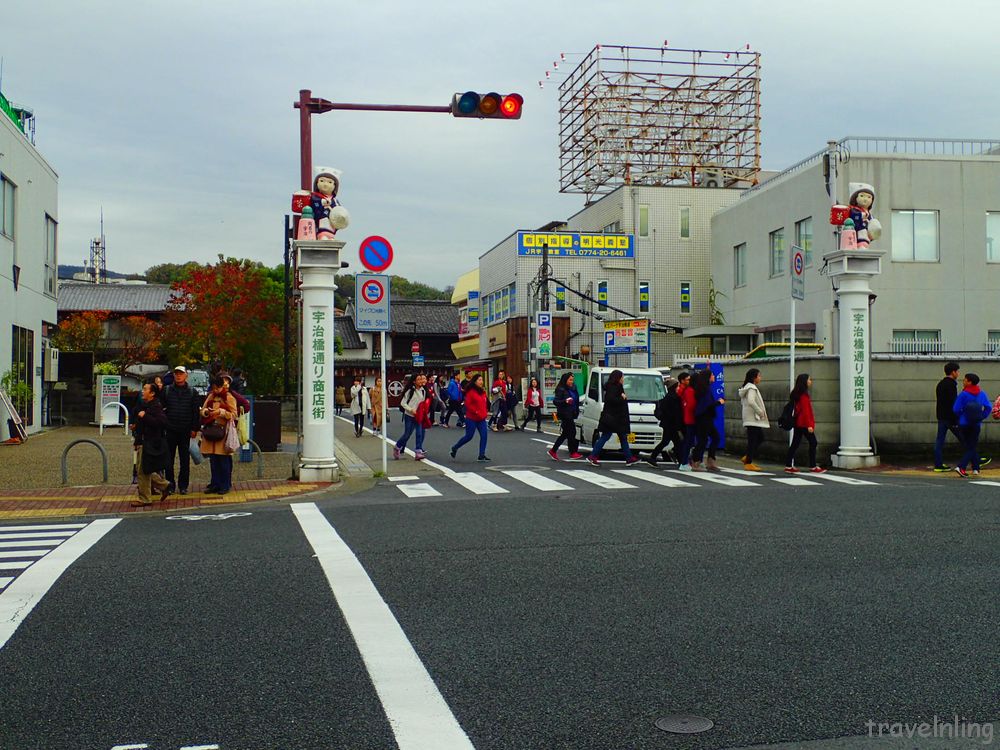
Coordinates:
[491,105]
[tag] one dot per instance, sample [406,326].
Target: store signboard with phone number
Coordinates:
[576,244]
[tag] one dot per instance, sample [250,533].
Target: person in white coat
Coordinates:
[361,405]
[754,417]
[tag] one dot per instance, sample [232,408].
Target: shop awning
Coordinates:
[466,348]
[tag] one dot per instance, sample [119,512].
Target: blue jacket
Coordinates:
[454,391]
[971,398]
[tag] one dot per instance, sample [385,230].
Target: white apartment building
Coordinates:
[28,259]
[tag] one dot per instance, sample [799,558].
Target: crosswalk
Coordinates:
[517,481]
[23,546]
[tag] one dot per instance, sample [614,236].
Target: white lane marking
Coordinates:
[839,479]
[200,747]
[536,480]
[46,527]
[476,484]
[796,481]
[26,591]
[419,490]
[5,581]
[4,537]
[418,715]
[33,543]
[19,555]
[706,476]
[745,473]
[407,451]
[15,564]
[986,482]
[411,478]
[601,480]
[660,479]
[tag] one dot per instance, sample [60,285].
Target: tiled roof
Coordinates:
[433,317]
[123,298]
[344,327]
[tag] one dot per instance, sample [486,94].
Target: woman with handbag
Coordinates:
[217,414]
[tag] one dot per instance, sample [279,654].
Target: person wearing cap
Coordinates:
[181,404]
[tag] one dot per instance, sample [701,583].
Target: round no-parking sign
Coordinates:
[375,253]
[372,291]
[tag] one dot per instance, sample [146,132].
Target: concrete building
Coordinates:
[662,273]
[939,205]
[28,259]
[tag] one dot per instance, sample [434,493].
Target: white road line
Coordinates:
[986,482]
[745,473]
[26,591]
[796,481]
[411,478]
[33,535]
[408,452]
[839,479]
[660,479]
[421,489]
[5,581]
[418,715]
[33,543]
[23,555]
[601,480]
[15,564]
[476,484]
[536,480]
[707,476]
[46,527]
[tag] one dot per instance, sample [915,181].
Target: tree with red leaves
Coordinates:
[138,342]
[83,332]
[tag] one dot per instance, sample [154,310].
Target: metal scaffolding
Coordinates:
[659,116]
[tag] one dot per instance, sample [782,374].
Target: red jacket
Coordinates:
[804,412]
[423,413]
[475,405]
[688,403]
[502,385]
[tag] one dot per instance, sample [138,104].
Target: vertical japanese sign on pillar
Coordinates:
[859,361]
[319,357]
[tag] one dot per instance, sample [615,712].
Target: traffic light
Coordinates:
[491,105]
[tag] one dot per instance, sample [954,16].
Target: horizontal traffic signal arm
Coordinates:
[491,106]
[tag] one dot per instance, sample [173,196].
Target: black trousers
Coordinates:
[567,432]
[669,436]
[801,432]
[454,407]
[359,423]
[535,411]
[755,436]
[179,445]
[708,434]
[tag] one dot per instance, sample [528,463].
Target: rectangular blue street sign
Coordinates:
[371,302]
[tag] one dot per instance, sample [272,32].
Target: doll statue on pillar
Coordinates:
[868,228]
[327,211]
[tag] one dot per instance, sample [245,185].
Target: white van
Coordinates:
[643,388]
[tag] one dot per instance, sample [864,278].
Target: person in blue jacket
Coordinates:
[971,406]
[455,397]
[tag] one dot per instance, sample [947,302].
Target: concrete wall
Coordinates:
[904,424]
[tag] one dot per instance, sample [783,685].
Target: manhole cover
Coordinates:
[684,724]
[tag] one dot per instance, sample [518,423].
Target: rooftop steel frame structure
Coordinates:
[659,116]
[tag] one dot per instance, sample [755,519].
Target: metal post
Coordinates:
[384,397]
[287,311]
[305,140]
[791,361]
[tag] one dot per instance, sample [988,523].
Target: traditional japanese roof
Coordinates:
[344,327]
[119,298]
[433,317]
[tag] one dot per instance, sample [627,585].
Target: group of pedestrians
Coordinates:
[962,415]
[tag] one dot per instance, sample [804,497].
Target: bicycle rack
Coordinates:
[260,459]
[120,405]
[104,458]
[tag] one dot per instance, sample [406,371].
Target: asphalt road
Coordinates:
[543,617]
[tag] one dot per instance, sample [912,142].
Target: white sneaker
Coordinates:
[684,467]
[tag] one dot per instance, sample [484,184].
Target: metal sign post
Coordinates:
[798,292]
[371,314]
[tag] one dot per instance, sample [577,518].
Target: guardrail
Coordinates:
[104,458]
[918,346]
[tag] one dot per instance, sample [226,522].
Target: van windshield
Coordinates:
[641,388]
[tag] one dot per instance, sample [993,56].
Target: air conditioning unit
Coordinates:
[50,372]
[710,177]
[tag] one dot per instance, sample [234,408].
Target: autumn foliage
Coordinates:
[82,332]
[139,341]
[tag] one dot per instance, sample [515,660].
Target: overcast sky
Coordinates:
[177,116]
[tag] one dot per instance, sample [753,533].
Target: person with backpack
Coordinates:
[533,405]
[476,411]
[754,417]
[805,424]
[567,402]
[971,406]
[455,398]
[413,398]
[183,423]
[498,420]
[669,412]
[706,407]
[614,420]
[945,395]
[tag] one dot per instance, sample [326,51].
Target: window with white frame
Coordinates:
[51,269]
[644,296]
[916,341]
[613,228]
[804,239]
[644,220]
[685,222]
[915,236]
[7,190]
[776,242]
[993,236]
[993,342]
[740,265]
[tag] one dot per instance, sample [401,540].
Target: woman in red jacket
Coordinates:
[476,411]
[805,424]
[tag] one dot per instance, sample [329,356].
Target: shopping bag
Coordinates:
[243,428]
[195,452]
[232,439]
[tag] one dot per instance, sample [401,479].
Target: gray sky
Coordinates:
[177,116]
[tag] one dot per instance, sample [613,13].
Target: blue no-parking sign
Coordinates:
[371,304]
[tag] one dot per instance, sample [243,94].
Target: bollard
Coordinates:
[104,458]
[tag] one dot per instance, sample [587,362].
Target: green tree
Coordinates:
[168,273]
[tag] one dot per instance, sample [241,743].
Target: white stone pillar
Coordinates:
[851,271]
[318,264]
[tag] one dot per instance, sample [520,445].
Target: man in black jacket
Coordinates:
[670,415]
[182,405]
[150,445]
[947,419]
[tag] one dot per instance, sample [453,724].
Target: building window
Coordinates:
[804,239]
[685,298]
[685,223]
[505,303]
[6,207]
[613,228]
[993,236]
[777,244]
[915,236]
[560,298]
[51,267]
[644,296]
[740,265]
[22,367]
[602,296]
[643,220]
[993,342]
[916,341]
